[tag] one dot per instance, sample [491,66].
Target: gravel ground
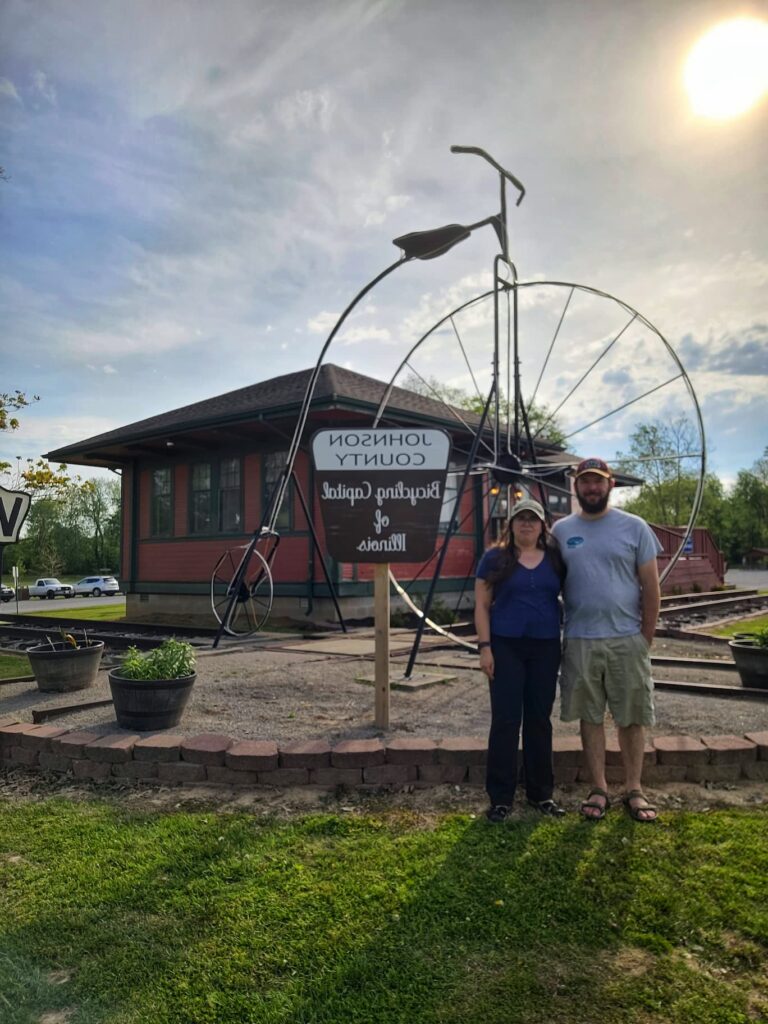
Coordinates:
[265,693]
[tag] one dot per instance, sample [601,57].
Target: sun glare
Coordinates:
[726,72]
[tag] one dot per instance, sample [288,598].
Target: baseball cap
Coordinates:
[593,466]
[528,505]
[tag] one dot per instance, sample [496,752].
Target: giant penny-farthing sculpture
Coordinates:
[596,365]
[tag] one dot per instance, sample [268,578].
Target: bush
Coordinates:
[400,618]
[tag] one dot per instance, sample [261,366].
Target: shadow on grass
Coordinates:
[282,938]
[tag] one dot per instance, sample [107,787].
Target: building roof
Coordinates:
[248,411]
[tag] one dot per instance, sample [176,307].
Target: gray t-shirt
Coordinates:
[602,591]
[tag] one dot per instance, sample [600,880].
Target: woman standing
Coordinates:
[517,617]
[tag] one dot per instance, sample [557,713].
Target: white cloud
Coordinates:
[433,306]
[357,334]
[43,87]
[306,108]
[38,434]
[322,323]
[391,204]
[7,88]
[396,202]
[130,337]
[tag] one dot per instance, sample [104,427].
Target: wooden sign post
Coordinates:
[381,493]
[381,633]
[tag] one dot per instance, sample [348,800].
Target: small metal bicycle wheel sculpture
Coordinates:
[551,333]
[253,597]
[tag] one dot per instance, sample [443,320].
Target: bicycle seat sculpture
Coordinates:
[520,347]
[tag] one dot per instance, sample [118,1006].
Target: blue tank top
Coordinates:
[525,603]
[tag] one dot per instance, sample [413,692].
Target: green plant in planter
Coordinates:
[758,637]
[173,659]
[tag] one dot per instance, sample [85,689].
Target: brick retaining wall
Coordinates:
[214,758]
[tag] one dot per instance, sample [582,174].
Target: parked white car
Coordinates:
[97,585]
[6,593]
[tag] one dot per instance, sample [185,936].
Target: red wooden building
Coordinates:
[195,482]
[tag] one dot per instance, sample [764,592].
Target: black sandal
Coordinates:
[601,808]
[548,807]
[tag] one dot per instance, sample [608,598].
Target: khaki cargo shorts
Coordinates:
[615,671]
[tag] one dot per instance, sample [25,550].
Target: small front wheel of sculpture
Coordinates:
[255,593]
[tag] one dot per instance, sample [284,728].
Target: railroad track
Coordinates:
[22,631]
[719,604]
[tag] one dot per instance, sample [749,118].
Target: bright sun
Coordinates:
[726,72]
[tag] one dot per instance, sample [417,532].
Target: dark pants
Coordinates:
[522,691]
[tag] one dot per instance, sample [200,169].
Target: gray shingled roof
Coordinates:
[279,395]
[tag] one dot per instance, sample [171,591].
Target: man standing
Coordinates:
[612,601]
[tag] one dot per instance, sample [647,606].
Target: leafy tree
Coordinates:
[656,454]
[96,508]
[747,514]
[678,496]
[73,524]
[75,532]
[738,521]
[50,540]
[9,401]
[760,468]
[540,419]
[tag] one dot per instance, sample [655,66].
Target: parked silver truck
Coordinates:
[50,588]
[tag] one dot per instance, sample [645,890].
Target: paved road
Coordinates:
[71,604]
[748,578]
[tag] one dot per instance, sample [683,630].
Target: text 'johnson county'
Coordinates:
[393,492]
[379,439]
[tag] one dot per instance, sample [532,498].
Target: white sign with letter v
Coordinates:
[14,506]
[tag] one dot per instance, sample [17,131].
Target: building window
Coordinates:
[215,504]
[273,464]
[230,504]
[161,504]
[201,503]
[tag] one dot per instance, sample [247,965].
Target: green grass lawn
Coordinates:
[99,613]
[742,626]
[14,665]
[219,918]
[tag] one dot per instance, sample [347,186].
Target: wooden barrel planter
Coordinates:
[752,663]
[148,704]
[62,667]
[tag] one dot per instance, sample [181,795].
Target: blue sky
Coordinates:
[196,190]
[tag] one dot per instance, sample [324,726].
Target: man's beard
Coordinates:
[593,505]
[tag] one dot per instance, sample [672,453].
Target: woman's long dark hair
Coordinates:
[507,562]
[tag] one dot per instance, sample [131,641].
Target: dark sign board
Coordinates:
[381,492]
[14,506]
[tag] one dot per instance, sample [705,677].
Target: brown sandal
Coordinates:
[635,812]
[589,802]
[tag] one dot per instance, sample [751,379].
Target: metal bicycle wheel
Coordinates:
[254,597]
[593,372]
